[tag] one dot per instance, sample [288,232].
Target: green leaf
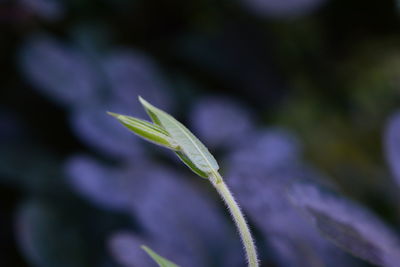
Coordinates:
[146,130]
[197,155]
[162,262]
[190,164]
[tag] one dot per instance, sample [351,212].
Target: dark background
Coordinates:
[327,71]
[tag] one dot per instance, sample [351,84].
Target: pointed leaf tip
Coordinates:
[161,261]
[113,114]
[151,110]
[144,102]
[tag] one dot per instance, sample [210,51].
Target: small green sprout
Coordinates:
[166,131]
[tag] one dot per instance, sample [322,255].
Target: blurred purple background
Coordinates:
[297,99]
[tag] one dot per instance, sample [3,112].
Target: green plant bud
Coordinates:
[146,130]
[194,153]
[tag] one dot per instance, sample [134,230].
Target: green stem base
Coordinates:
[238,217]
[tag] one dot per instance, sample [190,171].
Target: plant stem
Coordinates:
[238,217]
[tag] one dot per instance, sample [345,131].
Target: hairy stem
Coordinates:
[238,217]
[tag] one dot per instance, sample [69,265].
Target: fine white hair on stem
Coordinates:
[238,218]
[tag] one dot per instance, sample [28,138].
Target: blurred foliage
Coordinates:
[314,83]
